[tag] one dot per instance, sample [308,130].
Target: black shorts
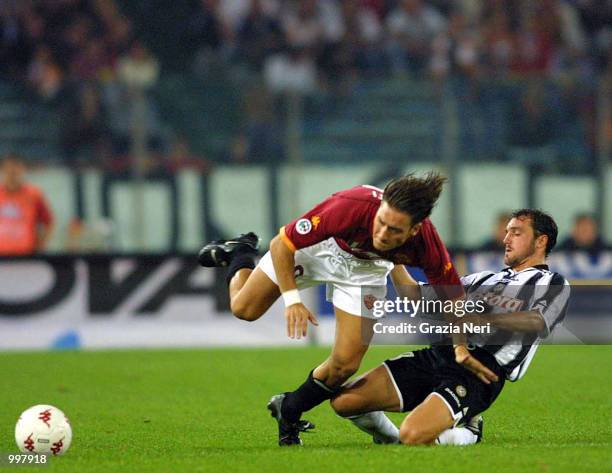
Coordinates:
[417,374]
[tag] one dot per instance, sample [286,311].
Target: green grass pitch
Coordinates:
[204,410]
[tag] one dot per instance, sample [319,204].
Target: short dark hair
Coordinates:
[13,157]
[584,216]
[414,195]
[542,224]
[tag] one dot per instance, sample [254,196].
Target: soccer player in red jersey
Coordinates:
[351,241]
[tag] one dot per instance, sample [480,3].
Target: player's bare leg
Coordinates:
[252,293]
[374,391]
[353,335]
[352,339]
[426,422]
[363,400]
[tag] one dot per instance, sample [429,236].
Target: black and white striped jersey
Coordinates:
[532,289]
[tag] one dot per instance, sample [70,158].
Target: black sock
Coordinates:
[310,394]
[244,259]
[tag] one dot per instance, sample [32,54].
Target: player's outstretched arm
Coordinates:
[530,321]
[463,355]
[296,313]
[405,286]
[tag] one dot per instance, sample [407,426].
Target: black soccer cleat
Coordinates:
[288,433]
[220,252]
[305,425]
[476,426]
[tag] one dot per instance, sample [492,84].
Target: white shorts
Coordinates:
[353,284]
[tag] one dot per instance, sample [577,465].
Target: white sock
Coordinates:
[378,425]
[457,436]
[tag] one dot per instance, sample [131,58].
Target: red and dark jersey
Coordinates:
[348,217]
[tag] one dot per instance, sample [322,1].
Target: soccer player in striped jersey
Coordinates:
[524,302]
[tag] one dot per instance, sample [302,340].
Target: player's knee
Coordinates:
[342,405]
[244,311]
[411,435]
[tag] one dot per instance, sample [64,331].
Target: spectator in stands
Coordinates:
[456,49]
[119,37]
[585,235]
[498,40]
[233,12]
[303,26]
[260,140]
[91,63]
[206,34]
[259,35]
[291,72]
[138,69]
[412,26]
[534,48]
[532,119]
[44,74]
[496,242]
[182,157]
[84,126]
[14,47]
[358,49]
[25,217]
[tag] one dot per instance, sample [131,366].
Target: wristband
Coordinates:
[292,297]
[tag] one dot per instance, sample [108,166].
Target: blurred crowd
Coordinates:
[298,44]
[84,57]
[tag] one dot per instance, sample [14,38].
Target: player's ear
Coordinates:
[542,241]
[416,228]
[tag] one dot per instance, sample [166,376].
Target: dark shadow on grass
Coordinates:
[322,448]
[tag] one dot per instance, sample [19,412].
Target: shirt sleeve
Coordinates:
[550,300]
[438,266]
[43,211]
[334,217]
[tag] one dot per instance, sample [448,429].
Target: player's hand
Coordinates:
[298,316]
[465,358]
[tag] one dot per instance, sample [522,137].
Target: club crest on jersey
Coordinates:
[461,391]
[303,226]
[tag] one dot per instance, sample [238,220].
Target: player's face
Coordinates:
[520,242]
[13,173]
[392,228]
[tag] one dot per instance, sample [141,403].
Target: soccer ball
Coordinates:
[43,429]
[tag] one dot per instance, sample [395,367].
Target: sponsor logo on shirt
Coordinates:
[316,220]
[303,226]
[498,300]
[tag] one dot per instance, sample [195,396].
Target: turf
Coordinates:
[204,410]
